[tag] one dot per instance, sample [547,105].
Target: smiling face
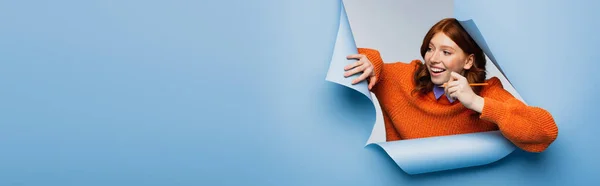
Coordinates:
[447,47]
[444,56]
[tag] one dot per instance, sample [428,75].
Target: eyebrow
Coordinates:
[446,46]
[443,46]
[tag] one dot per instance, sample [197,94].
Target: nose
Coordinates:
[435,58]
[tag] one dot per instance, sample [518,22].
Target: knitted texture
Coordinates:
[408,115]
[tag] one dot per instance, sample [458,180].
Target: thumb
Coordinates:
[454,75]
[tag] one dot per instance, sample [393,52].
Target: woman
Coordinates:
[416,104]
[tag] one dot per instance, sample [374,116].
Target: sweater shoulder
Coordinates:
[495,89]
[406,66]
[401,71]
[397,79]
[494,82]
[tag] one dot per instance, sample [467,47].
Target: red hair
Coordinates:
[451,28]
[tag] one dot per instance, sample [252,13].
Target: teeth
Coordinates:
[437,69]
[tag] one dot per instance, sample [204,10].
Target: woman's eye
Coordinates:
[429,49]
[446,53]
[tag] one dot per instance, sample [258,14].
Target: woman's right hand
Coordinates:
[362,65]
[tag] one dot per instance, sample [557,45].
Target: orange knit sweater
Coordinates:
[408,116]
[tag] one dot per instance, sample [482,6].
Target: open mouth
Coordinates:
[436,70]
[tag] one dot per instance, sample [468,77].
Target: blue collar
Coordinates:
[439,91]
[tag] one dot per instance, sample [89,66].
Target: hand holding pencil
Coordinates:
[459,88]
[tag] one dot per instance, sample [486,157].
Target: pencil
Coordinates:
[472,84]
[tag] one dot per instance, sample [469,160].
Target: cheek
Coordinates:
[426,58]
[454,64]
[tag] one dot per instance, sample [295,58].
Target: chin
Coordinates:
[438,81]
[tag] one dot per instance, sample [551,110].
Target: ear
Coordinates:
[469,62]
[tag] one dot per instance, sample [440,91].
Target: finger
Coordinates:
[355,56]
[447,84]
[354,71]
[353,65]
[452,84]
[360,78]
[367,72]
[456,76]
[372,82]
[453,95]
[453,90]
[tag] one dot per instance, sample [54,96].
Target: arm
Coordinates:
[378,65]
[532,129]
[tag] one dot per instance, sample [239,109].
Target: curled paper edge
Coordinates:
[344,46]
[421,155]
[424,155]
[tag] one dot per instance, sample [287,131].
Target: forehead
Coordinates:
[440,39]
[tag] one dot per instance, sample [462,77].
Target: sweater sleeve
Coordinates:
[530,128]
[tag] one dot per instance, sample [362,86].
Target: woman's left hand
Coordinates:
[458,88]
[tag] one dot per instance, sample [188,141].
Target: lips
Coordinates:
[436,70]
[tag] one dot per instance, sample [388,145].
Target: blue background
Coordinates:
[234,93]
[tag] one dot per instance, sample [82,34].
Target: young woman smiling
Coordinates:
[435,98]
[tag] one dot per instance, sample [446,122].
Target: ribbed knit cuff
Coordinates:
[549,125]
[533,134]
[375,57]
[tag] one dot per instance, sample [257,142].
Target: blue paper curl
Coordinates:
[423,155]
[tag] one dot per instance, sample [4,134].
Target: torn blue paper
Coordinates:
[471,28]
[344,46]
[421,155]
